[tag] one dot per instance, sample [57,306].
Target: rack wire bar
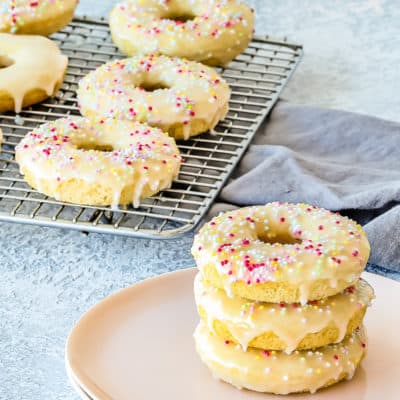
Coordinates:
[256,77]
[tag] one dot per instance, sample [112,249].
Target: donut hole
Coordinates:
[180,18]
[106,148]
[153,86]
[278,237]
[5,62]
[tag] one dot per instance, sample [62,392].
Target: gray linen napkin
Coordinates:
[337,160]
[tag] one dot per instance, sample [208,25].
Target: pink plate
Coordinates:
[137,344]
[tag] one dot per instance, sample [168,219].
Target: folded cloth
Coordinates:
[333,159]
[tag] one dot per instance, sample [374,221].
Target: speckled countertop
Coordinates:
[49,277]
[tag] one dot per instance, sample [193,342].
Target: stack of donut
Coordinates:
[120,152]
[280,297]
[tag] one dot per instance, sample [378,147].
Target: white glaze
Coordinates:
[219,30]
[17,14]
[245,245]
[278,372]
[37,63]
[141,156]
[248,319]
[193,92]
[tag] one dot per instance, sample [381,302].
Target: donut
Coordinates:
[180,97]
[281,252]
[32,69]
[285,327]
[41,17]
[99,162]
[213,32]
[278,372]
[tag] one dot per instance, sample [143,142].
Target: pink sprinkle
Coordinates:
[354,253]
[320,228]
[282,219]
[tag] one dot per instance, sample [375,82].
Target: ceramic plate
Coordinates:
[137,344]
[76,386]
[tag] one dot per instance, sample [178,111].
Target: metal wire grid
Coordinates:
[256,78]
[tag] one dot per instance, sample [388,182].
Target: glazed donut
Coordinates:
[281,252]
[285,327]
[213,32]
[33,69]
[41,17]
[278,372]
[180,97]
[102,162]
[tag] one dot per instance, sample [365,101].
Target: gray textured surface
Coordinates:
[48,277]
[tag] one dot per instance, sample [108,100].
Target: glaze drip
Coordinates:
[36,64]
[142,159]
[246,319]
[216,31]
[194,98]
[243,246]
[277,372]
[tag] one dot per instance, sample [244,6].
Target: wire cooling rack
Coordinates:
[256,78]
